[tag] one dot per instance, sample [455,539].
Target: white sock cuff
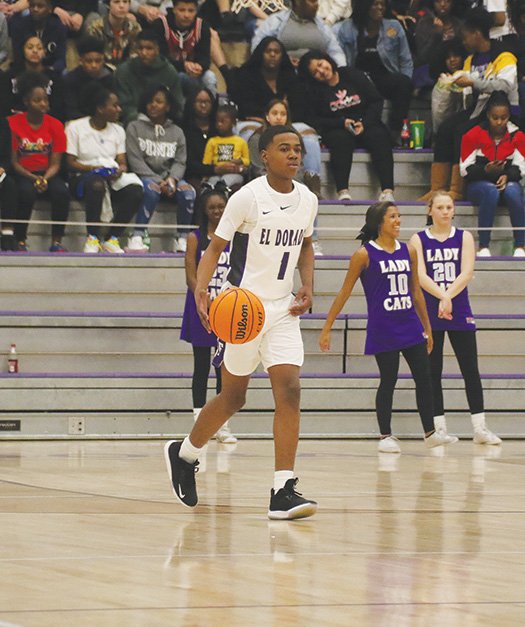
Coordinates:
[440,423]
[280,477]
[478,420]
[188,452]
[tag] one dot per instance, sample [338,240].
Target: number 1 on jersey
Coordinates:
[284,265]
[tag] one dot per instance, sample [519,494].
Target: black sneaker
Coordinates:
[8,242]
[182,474]
[287,504]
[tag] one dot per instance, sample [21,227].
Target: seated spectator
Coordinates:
[379,47]
[91,68]
[74,14]
[269,74]
[156,149]
[96,157]
[9,8]
[45,24]
[431,31]
[488,68]
[38,142]
[8,198]
[185,41]
[199,125]
[300,30]
[148,69]
[493,164]
[227,149]
[502,29]
[447,99]
[10,99]
[117,31]
[345,108]
[4,39]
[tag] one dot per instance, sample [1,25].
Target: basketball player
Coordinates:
[269,223]
[446,258]
[397,319]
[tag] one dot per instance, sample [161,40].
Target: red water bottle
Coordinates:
[12,360]
[405,135]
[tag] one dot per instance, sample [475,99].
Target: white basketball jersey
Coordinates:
[264,260]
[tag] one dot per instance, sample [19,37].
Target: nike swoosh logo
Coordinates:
[181,494]
[266,212]
[287,207]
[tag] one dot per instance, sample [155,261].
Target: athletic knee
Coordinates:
[234,400]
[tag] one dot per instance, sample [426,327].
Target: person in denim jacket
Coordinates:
[300,30]
[379,47]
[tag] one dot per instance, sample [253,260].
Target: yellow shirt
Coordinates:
[221,149]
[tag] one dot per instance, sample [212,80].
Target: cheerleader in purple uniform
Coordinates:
[446,258]
[211,205]
[397,319]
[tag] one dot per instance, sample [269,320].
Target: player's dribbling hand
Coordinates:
[202,303]
[324,341]
[302,302]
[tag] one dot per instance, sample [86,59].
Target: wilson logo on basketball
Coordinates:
[242,324]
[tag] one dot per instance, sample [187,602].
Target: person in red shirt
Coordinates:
[38,142]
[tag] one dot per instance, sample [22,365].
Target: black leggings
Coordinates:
[375,138]
[125,202]
[397,88]
[466,351]
[419,364]
[57,192]
[201,372]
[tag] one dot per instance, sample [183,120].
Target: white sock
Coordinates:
[188,452]
[280,477]
[478,421]
[440,424]
[196,412]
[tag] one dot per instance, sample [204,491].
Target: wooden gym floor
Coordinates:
[91,536]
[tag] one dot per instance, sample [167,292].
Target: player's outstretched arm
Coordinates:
[305,265]
[358,262]
[205,271]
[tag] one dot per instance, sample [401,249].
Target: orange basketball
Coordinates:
[236,316]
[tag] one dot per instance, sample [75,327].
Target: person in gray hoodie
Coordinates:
[156,151]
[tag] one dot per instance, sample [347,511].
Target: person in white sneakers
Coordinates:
[96,158]
[397,319]
[211,207]
[446,257]
[156,151]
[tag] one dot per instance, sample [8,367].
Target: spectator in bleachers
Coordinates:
[156,149]
[4,39]
[91,68]
[38,142]
[518,21]
[379,47]
[185,41]
[447,99]
[9,8]
[228,149]
[300,30]
[149,68]
[96,157]
[432,30]
[493,164]
[8,197]
[75,14]
[10,98]
[269,74]
[117,31]
[489,67]
[45,24]
[345,108]
[199,126]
